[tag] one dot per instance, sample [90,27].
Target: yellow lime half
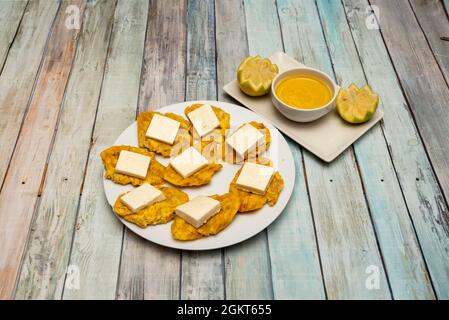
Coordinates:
[356,105]
[255,75]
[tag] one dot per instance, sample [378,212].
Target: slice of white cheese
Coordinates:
[245,140]
[198,210]
[163,129]
[254,178]
[204,119]
[189,162]
[142,197]
[132,164]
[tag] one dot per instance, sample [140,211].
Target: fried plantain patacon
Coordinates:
[110,157]
[157,213]
[183,138]
[183,231]
[251,201]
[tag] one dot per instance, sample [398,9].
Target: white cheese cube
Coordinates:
[132,164]
[204,119]
[142,197]
[245,140]
[189,162]
[163,129]
[254,178]
[198,210]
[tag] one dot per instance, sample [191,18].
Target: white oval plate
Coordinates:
[243,226]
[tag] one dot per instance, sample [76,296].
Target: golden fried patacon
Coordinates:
[218,134]
[157,213]
[199,178]
[110,157]
[182,139]
[230,156]
[230,203]
[251,201]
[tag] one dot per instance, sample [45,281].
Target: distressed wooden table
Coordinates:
[373,224]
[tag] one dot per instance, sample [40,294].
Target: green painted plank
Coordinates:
[16,82]
[292,245]
[11,13]
[433,20]
[345,234]
[250,259]
[46,259]
[97,245]
[202,271]
[150,271]
[419,184]
[397,240]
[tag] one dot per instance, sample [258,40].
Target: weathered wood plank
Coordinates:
[344,230]
[397,239]
[97,244]
[46,259]
[295,264]
[202,271]
[419,184]
[248,260]
[16,82]
[423,83]
[149,271]
[163,73]
[11,13]
[27,167]
[433,20]
[446,5]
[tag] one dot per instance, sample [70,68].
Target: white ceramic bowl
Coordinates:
[304,115]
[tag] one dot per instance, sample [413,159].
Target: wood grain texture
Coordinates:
[248,260]
[27,168]
[420,186]
[46,259]
[16,82]
[344,230]
[150,271]
[397,239]
[97,244]
[163,72]
[11,13]
[292,244]
[418,182]
[433,20]
[201,271]
[295,263]
[423,83]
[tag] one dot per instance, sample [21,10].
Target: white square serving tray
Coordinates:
[326,138]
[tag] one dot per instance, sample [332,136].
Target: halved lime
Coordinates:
[255,75]
[356,105]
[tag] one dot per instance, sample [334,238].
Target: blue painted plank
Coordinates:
[295,265]
[250,259]
[400,249]
[346,239]
[419,185]
[202,271]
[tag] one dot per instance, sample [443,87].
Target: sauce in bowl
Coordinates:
[303,91]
